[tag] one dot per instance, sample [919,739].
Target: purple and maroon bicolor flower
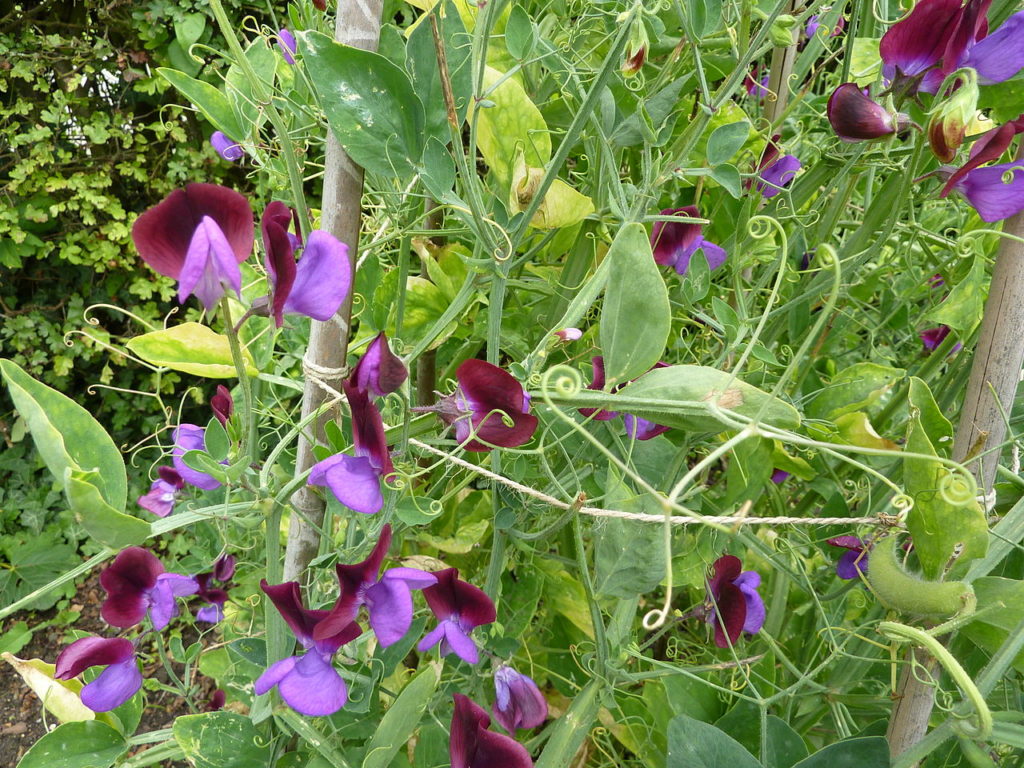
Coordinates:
[214,597]
[518,702]
[355,480]
[387,597]
[379,371]
[813,25]
[933,337]
[985,188]
[163,492]
[308,683]
[775,171]
[756,84]
[189,437]
[597,383]
[471,745]
[198,236]
[855,116]
[222,404]
[636,427]
[228,150]
[137,584]
[854,561]
[286,44]
[675,242]
[317,285]
[459,607]
[735,605]
[116,684]
[488,408]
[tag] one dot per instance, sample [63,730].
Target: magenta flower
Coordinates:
[774,172]
[518,702]
[636,427]
[387,597]
[189,437]
[163,492]
[597,383]
[198,236]
[222,404]
[566,335]
[214,597]
[459,607]
[317,285]
[675,242]
[308,683]
[355,480]
[226,148]
[136,584]
[756,85]
[488,408]
[286,43]
[116,684]
[735,605]
[379,371]
[933,337]
[471,745]
[855,560]
[855,116]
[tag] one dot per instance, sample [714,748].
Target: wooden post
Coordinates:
[995,373]
[778,76]
[358,25]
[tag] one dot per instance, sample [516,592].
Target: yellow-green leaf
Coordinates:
[60,697]
[512,122]
[191,348]
[562,206]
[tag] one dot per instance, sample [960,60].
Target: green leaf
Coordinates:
[207,99]
[636,316]
[263,61]
[702,17]
[191,348]
[371,105]
[512,121]
[520,35]
[629,557]
[188,29]
[728,176]
[66,435]
[726,141]
[425,303]
[88,744]
[402,718]
[992,628]
[964,305]
[866,62]
[221,740]
[866,752]
[421,64]
[562,205]
[861,386]
[693,744]
[215,439]
[945,515]
[783,745]
[1005,100]
[101,521]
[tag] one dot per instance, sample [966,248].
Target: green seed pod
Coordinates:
[907,593]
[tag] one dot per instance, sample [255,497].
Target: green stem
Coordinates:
[600,640]
[248,413]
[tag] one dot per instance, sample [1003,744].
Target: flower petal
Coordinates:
[776,176]
[999,56]
[674,241]
[413,577]
[432,638]
[518,701]
[855,116]
[209,266]
[471,745]
[92,652]
[368,429]
[748,583]
[323,277]
[379,371]
[390,607]
[313,687]
[919,40]
[846,567]
[189,437]
[352,479]
[229,150]
[274,674]
[288,600]
[457,641]
[993,199]
[127,582]
[493,395]
[730,615]
[114,686]
[168,586]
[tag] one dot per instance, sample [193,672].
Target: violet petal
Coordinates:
[113,687]
[323,277]
[352,479]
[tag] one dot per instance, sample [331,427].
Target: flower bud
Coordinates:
[518,701]
[635,61]
[947,126]
[222,404]
[782,30]
[855,116]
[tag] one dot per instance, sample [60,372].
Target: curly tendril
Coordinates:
[958,487]
[902,502]
[561,381]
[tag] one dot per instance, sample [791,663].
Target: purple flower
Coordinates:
[855,560]
[779,476]
[355,480]
[308,683]
[775,172]
[318,284]
[854,116]
[990,193]
[226,148]
[379,371]
[136,584]
[222,404]
[518,702]
[756,86]
[116,684]
[597,383]
[934,29]
[735,605]
[675,242]
[286,42]
[388,598]
[189,437]
[566,335]
[990,146]
[214,597]
[163,492]
[459,607]
[485,398]
[933,337]
[198,236]
[471,745]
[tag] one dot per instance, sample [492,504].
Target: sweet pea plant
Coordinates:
[584,397]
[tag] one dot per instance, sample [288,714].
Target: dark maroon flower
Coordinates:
[216,702]
[855,116]
[675,242]
[116,684]
[921,40]
[518,702]
[735,605]
[597,383]
[222,404]
[855,560]
[198,236]
[308,683]
[756,84]
[387,597]
[163,492]
[214,597]
[635,61]
[471,745]
[136,584]
[459,607]
[379,371]
[933,337]
[487,396]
